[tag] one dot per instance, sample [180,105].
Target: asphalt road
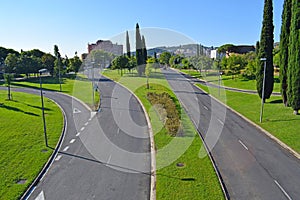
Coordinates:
[104,155]
[252,165]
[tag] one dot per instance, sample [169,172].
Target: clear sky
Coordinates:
[72,24]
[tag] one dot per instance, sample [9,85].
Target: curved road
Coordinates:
[99,158]
[251,164]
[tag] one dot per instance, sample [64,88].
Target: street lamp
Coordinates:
[219,75]
[93,84]
[41,71]
[263,90]
[59,75]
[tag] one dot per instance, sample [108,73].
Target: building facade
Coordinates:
[106,45]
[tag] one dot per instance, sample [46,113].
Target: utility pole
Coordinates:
[263,91]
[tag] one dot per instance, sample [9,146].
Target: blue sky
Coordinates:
[28,24]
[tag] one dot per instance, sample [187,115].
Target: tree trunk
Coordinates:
[8,92]
[296,112]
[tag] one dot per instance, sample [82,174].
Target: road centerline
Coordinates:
[243,145]
[284,192]
[66,148]
[72,141]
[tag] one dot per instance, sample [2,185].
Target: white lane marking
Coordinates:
[66,148]
[58,157]
[90,119]
[76,110]
[118,131]
[93,115]
[41,196]
[221,122]
[243,145]
[196,98]
[108,160]
[82,129]
[205,107]
[86,124]
[77,134]
[72,141]
[284,192]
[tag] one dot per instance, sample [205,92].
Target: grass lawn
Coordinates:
[197,179]
[230,82]
[277,119]
[79,87]
[22,140]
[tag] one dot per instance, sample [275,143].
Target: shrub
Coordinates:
[172,120]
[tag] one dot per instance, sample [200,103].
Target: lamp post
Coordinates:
[263,91]
[59,74]
[41,71]
[219,75]
[93,92]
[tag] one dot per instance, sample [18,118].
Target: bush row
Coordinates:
[171,116]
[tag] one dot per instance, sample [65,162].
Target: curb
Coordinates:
[213,162]
[152,144]
[226,87]
[47,166]
[282,144]
[84,104]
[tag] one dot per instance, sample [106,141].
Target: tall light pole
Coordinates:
[59,74]
[41,71]
[93,84]
[263,91]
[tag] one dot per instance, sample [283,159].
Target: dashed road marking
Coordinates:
[41,196]
[58,157]
[221,122]
[108,160]
[243,145]
[118,131]
[72,141]
[205,107]
[66,148]
[86,123]
[77,134]
[82,129]
[284,192]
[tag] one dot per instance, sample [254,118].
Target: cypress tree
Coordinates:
[257,48]
[284,47]
[145,55]
[139,52]
[128,45]
[266,46]
[293,77]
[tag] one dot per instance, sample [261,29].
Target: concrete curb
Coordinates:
[47,166]
[282,144]
[84,104]
[212,160]
[152,144]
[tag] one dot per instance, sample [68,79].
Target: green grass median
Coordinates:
[79,87]
[229,81]
[22,150]
[181,173]
[277,119]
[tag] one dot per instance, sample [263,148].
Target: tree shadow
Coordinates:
[123,168]
[278,101]
[16,110]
